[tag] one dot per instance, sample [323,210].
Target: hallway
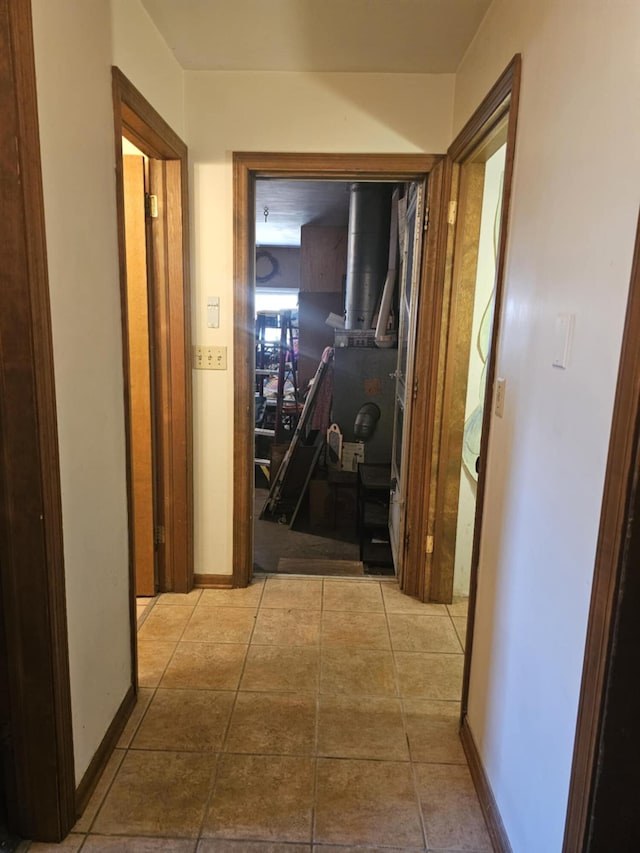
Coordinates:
[296,715]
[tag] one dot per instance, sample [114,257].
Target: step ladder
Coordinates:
[289,485]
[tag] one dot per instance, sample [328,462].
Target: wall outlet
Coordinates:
[210,358]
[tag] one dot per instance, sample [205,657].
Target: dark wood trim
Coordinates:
[146,127]
[606,580]
[213,581]
[423,424]
[489,113]
[136,119]
[487,800]
[246,168]
[99,761]
[39,750]
[456,353]
[344,167]
[243,367]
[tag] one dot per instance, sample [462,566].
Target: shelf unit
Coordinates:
[373,490]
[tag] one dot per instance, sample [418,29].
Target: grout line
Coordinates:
[221,753]
[314,796]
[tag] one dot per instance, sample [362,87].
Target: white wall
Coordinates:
[483,296]
[73,59]
[573,217]
[142,55]
[295,112]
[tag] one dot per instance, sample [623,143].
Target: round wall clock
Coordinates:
[267,266]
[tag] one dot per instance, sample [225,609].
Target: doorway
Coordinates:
[154,273]
[248,169]
[335,269]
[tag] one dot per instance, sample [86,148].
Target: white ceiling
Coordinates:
[419,36]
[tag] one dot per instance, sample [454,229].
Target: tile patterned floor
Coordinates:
[301,715]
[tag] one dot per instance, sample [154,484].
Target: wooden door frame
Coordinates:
[136,119]
[433,325]
[247,167]
[38,755]
[606,589]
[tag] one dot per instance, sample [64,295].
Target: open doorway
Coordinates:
[476,219]
[248,169]
[334,264]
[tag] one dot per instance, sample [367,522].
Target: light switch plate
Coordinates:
[210,358]
[562,338]
[213,312]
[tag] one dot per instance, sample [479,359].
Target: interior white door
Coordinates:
[410,233]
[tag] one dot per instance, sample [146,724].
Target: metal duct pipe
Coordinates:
[367,251]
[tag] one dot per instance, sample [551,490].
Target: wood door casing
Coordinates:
[169,330]
[247,167]
[37,756]
[140,441]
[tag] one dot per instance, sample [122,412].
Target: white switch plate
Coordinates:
[562,337]
[213,312]
[210,358]
[501,390]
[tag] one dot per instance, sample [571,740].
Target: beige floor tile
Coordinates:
[180,599]
[287,628]
[215,845]
[110,844]
[157,793]
[357,671]
[185,721]
[460,624]
[356,630]
[450,808]
[429,676]
[205,666]
[459,606]
[412,633]
[153,657]
[331,848]
[248,596]
[361,727]
[432,729]
[276,723]
[144,697]
[262,797]
[366,802]
[352,595]
[220,625]
[70,844]
[84,822]
[276,668]
[397,602]
[165,623]
[301,594]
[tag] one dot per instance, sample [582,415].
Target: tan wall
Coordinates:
[573,218]
[141,53]
[73,59]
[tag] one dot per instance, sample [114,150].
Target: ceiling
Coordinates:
[292,204]
[393,36]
